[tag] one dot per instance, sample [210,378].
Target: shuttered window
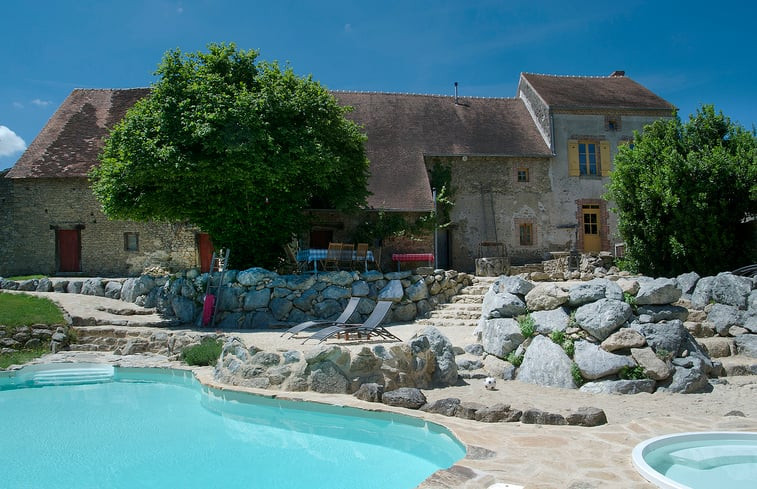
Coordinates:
[588,158]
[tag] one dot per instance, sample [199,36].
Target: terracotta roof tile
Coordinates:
[614,92]
[69,143]
[402,128]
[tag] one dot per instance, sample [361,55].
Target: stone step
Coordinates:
[468,299]
[447,322]
[738,365]
[718,346]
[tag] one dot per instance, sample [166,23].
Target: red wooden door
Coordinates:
[69,250]
[205,250]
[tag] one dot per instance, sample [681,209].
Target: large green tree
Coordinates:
[236,146]
[682,192]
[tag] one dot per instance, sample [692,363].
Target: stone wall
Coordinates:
[40,206]
[257,298]
[625,336]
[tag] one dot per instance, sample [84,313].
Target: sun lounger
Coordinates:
[343,318]
[371,326]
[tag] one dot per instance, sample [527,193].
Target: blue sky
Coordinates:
[688,52]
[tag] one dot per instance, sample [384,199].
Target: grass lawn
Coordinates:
[25,310]
[19,278]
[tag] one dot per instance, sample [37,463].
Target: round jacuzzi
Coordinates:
[699,460]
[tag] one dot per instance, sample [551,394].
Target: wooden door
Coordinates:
[205,251]
[68,249]
[320,238]
[591,224]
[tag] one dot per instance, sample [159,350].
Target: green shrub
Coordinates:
[576,373]
[632,373]
[516,360]
[557,336]
[663,354]
[527,326]
[572,323]
[206,353]
[630,299]
[569,347]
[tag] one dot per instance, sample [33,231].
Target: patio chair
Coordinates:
[371,326]
[333,256]
[361,256]
[343,318]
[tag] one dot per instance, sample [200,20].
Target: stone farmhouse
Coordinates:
[527,172]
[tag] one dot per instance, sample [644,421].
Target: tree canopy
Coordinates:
[683,192]
[235,146]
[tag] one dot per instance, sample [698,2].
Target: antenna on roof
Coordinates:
[455,93]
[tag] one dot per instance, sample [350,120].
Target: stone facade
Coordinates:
[39,207]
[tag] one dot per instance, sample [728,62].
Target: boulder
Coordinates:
[658,291]
[619,386]
[746,345]
[30,285]
[392,291]
[93,286]
[497,413]
[723,316]
[654,367]
[327,378]
[360,288]
[602,318]
[553,320]
[586,292]
[513,285]
[46,285]
[546,297]
[184,309]
[623,339]
[665,335]
[417,291]
[586,416]
[654,314]
[595,363]
[258,299]
[687,380]
[501,336]
[227,298]
[537,416]
[446,407]
[445,372]
[702,292]
[687,282]
[628,286]
[113,289]
[336,292]
[406,397]
[546,363]
[498,368]
[502,305]
[370,392]
[253,276]
[731,289]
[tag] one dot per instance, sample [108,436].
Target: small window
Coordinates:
[526,234]
[523,175]
[612,123]
[587,158]
[131,241]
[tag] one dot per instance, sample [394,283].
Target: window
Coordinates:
[523,174]
[612,123]
[588,158]
[131,241]
[526,233]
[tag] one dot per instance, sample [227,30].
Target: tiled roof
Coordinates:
[402,128]
[69,143]
[613,92]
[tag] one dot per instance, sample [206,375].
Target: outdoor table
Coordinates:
[400,257]
[313,255]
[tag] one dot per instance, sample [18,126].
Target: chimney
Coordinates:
[617,74]
[455,93]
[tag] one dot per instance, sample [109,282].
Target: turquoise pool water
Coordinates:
[701,460]
[160,429]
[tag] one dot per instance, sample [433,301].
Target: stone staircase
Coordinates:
[464,308]
[724,350]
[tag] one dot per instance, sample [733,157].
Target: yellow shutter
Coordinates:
[573,170]
[604,158]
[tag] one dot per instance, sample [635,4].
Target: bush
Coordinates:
[206,353]
[569,347]
[576,373]
[516,360]
[632,373]
[527,327]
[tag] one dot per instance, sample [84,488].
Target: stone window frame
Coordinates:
[127,246]
[612,123]
[520,225]
[522,174]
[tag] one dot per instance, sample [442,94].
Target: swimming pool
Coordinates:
[153,428]
[696,460]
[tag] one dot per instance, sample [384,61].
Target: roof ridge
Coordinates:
[570,76]
[380,92]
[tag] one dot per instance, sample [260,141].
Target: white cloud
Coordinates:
[10,142]
[41,103]
[18,105]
